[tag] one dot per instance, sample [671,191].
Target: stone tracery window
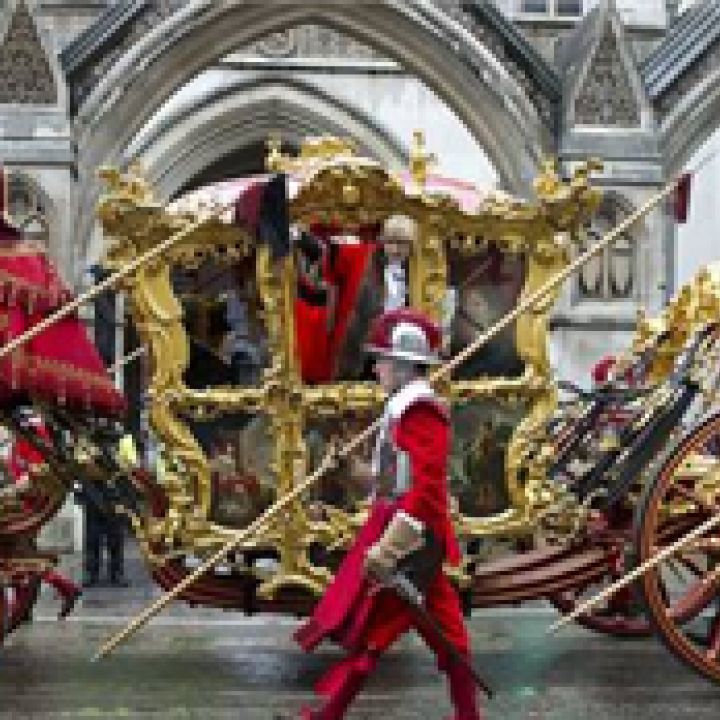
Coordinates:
[560,8]
[25,73]
[611,276]
[27,207]
[534,6]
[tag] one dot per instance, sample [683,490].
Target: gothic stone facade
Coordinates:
[507,84]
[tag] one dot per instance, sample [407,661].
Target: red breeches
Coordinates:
[391,617]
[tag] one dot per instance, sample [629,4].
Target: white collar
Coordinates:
[403,398]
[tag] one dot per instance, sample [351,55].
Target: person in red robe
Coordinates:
[314,311]
[334,269]
[23,458]
[410,498]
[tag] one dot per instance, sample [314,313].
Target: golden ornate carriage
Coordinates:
[334,186]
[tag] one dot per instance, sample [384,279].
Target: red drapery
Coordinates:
[61,363]
[344,268]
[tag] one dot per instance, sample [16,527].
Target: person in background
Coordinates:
[238,349]
[396,237]
[105,527]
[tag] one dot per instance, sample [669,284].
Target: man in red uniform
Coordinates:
[410,499]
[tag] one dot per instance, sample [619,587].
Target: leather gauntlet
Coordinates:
[403,535]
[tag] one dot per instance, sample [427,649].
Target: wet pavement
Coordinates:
[195,663]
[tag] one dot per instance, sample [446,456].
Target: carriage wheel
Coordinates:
[682,595]
[623,614]
[621,617]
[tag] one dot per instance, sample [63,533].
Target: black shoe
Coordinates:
[91,581]
[68,604]
[119,581]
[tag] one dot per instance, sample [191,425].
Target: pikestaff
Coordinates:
[336,455]
[109,282]
[126,360]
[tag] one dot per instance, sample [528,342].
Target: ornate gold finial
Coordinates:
[420,160]
[581,172]
[274,157]
[313,152]
[547,184]
[641,318]
[111,176]
[327,147]
[122,189]
[643,330]
[708,296]
[137,185]
[685,300]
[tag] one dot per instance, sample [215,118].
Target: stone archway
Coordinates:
[691,122]
[424,39]
[243,114]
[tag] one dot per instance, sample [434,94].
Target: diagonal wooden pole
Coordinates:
[261,522]
[127,359]
[648,565]
[109,282]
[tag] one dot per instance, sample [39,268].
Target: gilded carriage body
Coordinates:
[488,250]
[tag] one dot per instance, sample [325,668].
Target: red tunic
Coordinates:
[354,611]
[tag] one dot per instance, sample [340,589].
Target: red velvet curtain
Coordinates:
[344,268]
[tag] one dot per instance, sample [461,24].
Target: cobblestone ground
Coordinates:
[195,663]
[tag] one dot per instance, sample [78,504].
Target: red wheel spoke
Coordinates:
[714,637]
[695,598]
[671,507]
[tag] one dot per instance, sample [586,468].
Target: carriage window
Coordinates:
[340,289]
[486,286]
[27,207]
